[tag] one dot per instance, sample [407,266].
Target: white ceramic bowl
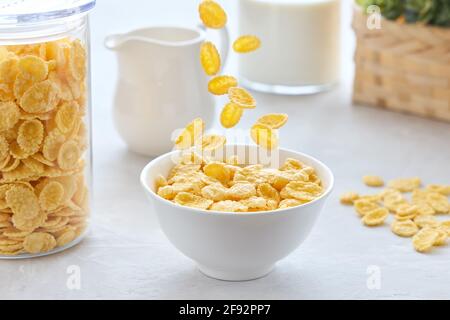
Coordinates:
[235,246]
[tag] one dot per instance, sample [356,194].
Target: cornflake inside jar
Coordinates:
[221,186]
[43,192]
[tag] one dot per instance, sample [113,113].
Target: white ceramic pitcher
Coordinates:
[161,85]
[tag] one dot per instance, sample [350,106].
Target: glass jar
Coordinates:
[300,48]
[45,154]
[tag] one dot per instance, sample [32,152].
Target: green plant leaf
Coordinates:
[432,12]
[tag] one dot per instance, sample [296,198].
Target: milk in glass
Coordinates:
[300,51]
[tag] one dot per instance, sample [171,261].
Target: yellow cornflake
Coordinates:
[29,224]
[405,184]
[363,207]
[294,164]
[21,85]
[228,206]
[12,165]
[303,191]
[23,202]
[404,228]
[370,197]
[40,158]
[266,191]
[255,204]
[375,217]
[445,225]
[40,98]
[81,194]
[426,221]
[6,92]
[424,209]
[185,169]
[33,68]
[210,58]
[231,115]
[264,137]
[9,70]
[66,116]
[215,192]
[246,44]
[4,163]
[39,242]
[67,236]
[191,157]
[279,180]
[4,148]
[349,198]
[171,191]
[406,212]
[69,154]
[77,61]
[64,90]
[373,181]
[30,136]
[10,115]
[211,142]
[11,249]
[52,143]
[9,242]
[160,182]
[10,134]
[17,152]
[419,196]
[290,203]
[193,201]
[190,134]
[438,202]
[3,53]
[242,98]
[14,233]
[218,171]
[392,199]
[22,172]
[439,188]
[51,196]
[241,191]
[442,237]
[34,165]
[425,239]
[274,120]
[53,221]
[212,14]
[221,84]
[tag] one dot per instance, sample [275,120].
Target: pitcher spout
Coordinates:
[163,36]
[115,41]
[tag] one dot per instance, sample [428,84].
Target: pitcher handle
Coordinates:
[224,43]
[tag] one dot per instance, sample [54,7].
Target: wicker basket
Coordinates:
[403,67]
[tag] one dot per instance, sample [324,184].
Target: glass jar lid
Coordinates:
[17,12]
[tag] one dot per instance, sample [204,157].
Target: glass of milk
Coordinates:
[300,52]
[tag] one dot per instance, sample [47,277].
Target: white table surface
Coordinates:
[127,257]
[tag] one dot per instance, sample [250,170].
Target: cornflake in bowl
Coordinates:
[236,221]
[228,186]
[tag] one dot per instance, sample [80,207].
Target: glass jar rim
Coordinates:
[22,12]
